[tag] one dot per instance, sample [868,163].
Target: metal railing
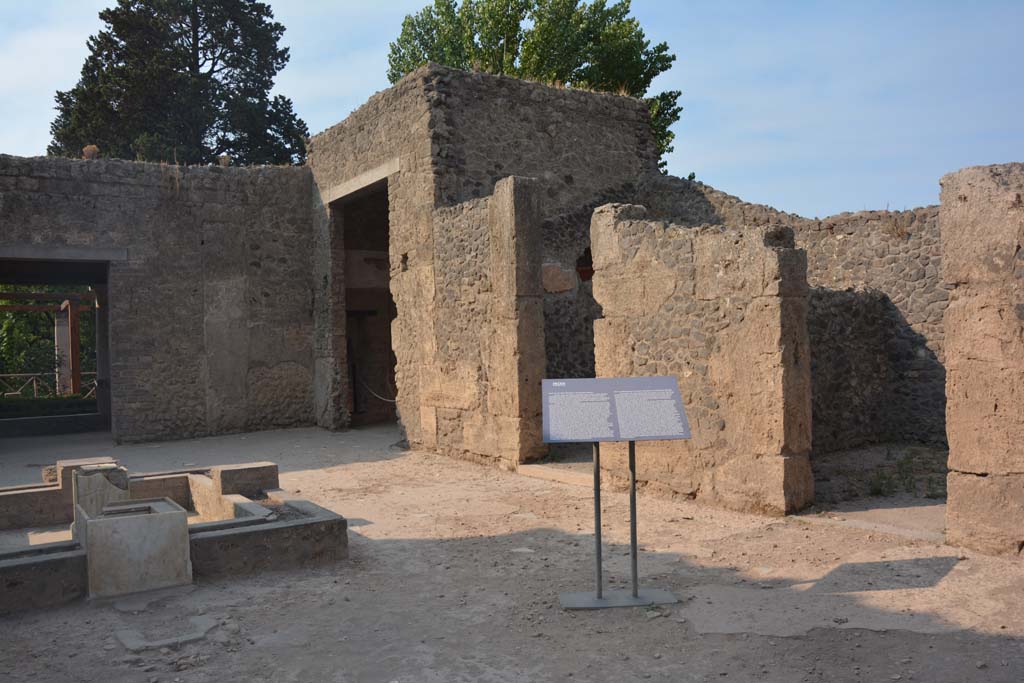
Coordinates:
[41,385]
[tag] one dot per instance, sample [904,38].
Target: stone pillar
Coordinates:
[982,224]
[102,353]
[330,371]
[516,361]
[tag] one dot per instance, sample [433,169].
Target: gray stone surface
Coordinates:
[135,546]
[135,641]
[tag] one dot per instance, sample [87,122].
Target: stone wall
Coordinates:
[585,148]
[480,373]
[210,315]
[982,220]
[388,139]
[442,139]
[875,319]
[723,310]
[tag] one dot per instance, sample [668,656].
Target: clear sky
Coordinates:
[812,107]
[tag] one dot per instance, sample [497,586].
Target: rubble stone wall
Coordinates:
[483,365]
[392,130]
[723,310]
[982,218]
[585,148]
[876,311]
[448,138]
[211,313]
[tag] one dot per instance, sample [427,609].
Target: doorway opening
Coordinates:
[54,365]
[369,305]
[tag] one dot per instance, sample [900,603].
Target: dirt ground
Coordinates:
[455,571]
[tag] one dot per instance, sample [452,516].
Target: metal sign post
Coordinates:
[620,409]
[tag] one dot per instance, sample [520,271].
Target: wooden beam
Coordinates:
[46,296]
[38,308]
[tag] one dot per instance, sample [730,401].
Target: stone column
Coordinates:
[516,362]
[982,223]
[330,371]
[102,353]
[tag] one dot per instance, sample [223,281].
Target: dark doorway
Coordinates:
[369,306]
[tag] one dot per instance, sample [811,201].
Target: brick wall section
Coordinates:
[724,311]
[210,316]
[877,302]
[982,220]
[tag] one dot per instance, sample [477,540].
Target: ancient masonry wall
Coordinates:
[480,394]
[210,315]
[443,139]
[876,308]
[724,310]
[389,138]
[585,148]
[982,219]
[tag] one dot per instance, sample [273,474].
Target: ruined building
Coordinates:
[461,236]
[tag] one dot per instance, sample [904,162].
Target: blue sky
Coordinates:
[812,107]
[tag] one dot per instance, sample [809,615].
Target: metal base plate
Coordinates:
[616,598]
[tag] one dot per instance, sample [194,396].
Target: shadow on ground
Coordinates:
[484,608]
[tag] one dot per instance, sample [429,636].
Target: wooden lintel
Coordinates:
[38,308]
[47,296]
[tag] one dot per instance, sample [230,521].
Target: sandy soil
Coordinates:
[455,571]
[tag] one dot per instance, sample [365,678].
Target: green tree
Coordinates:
[182,81]
[596,46]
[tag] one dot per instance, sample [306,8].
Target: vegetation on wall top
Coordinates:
[593,46]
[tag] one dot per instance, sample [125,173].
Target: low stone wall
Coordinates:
[982,219]
[211,312]
[44,579]
[724,311]
[876,311]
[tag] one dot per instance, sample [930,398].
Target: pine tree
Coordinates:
[182,81]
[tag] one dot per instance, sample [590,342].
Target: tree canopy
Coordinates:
[184,81]
[596,46]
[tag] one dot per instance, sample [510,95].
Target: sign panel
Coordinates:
[613,409]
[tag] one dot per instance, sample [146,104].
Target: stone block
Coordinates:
[985,513]
[136,546]
[247,479]
[985,418]
[97,485]
[982,224]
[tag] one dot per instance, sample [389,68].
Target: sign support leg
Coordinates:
[597,517]
[616,598]
[632,517]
